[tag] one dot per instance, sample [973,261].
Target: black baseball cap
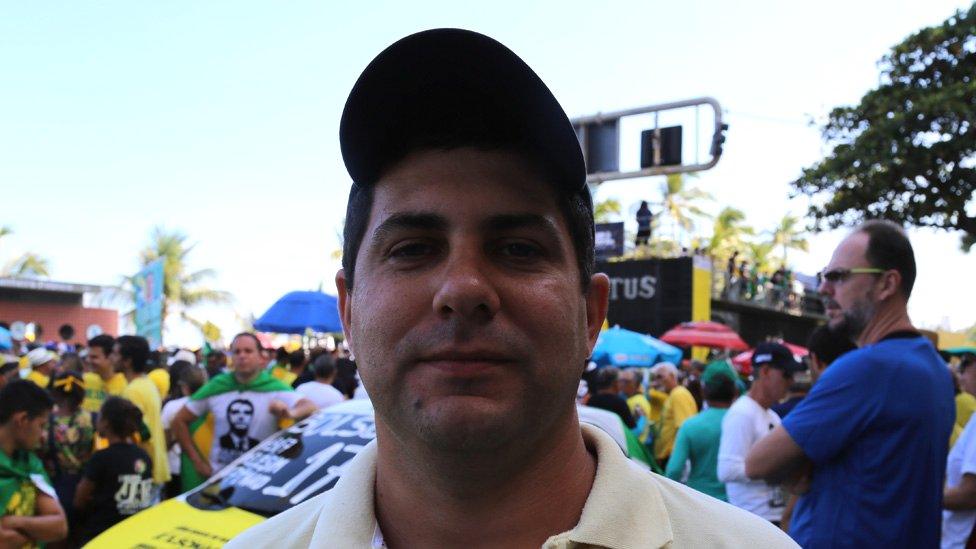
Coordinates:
[454,82]
[776,355]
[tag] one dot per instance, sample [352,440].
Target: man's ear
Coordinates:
[890,284]
[597,301]
[345,306]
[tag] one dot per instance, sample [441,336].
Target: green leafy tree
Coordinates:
[906,151]
[788,235]
[182,289]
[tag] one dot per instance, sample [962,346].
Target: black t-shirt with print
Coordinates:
[122,474]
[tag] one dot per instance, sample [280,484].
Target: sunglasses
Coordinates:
[839,275]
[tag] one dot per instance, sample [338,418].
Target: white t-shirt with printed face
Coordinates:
[957,525]
[241,421]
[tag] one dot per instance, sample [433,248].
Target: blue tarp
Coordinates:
[296,311]
[624,348]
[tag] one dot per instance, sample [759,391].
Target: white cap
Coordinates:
[184,355]
[40,356]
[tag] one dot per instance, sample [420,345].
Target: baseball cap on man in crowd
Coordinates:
[776,355]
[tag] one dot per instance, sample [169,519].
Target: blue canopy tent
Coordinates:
[298,311]
[626,349]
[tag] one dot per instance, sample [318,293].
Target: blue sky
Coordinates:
[220,119]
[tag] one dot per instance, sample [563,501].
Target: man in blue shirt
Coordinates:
[876,425]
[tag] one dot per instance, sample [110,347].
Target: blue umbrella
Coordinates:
[297,311]
[6,343]
[624,348]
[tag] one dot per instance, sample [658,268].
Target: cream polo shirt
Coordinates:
[628,507]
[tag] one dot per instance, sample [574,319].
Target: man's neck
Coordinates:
[482,501]
[245,379]
[107,376]
[7,443]
[890,317]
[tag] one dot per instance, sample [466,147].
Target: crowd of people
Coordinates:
[101,431]
[469,296]
[777,289]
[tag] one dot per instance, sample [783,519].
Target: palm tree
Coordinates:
[682,204]
[181,290]
[789,235]
[728,233]
[759,253]
[29,265]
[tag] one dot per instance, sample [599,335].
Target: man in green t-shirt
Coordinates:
[29,509]
[699,437]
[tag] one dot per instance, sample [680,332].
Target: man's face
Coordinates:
[967,379]
[850,303]
[467,317]
[239,415]
[115,358]
[248,358]
[777,382]
[628,384]
[664,381]
[29,430]
[100,363]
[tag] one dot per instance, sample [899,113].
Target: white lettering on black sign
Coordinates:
[630,288]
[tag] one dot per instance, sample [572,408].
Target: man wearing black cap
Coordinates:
[468,297]
[748,421]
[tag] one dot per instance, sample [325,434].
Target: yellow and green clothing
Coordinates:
[679,406]
[283,374]
[97,390]
[142,392]
[639,402]
[19,478]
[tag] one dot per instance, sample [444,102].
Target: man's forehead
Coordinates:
[851,251]
[465,183]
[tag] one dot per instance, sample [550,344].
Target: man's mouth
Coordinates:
[465,363]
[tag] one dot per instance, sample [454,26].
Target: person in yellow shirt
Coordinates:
[630,385]
[678,407]
[130,355]
[160,378]
[657,400]
[102,381]
[42,363]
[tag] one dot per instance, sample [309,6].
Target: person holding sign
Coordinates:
[29,508]
[468,297]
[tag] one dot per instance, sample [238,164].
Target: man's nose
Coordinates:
[466,288]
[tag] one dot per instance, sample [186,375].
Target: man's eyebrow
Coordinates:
[408,220]
[506,222]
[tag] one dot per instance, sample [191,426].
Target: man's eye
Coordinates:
[410,250]
[521,250]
